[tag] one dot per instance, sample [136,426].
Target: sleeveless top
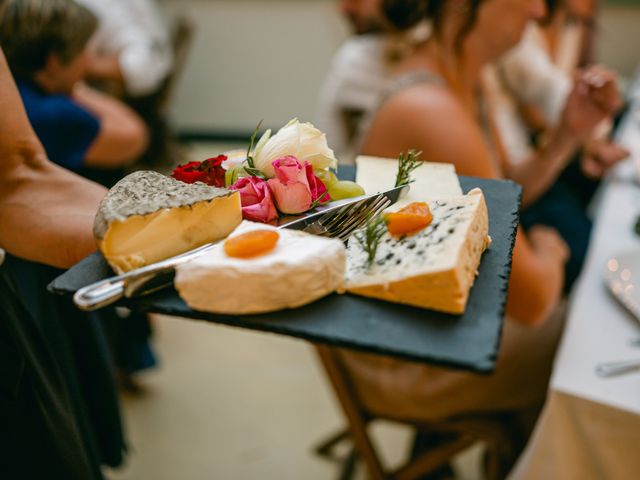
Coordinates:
[395,85]
[423,76]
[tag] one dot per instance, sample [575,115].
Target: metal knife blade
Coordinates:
[156,276]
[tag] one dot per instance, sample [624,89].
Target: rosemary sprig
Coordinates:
[407,163]
[369,238]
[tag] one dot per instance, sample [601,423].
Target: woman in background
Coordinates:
[435,105]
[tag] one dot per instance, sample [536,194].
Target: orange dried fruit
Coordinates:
[251,244]
[410,219]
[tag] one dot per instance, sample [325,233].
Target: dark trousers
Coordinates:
[40,435]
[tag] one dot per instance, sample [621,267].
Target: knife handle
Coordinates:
[100,294]
[110,290]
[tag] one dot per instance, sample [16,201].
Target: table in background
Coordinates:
[590,426]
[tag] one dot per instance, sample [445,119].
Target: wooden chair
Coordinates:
[182,32]
[462,433]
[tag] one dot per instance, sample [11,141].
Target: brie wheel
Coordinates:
[300,269]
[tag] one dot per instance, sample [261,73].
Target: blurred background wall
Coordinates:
[266,59]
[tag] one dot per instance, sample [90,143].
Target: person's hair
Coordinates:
[552,6]
[32,30]
[403,15]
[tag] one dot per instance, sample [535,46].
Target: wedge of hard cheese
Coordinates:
[147,217]
[434,268]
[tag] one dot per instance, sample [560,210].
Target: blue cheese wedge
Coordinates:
[300,269]
[147,217]
[434,268]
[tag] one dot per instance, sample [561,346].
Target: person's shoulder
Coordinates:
[361,50]
[425,103]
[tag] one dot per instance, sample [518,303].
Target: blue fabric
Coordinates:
[65,129]
[562,209]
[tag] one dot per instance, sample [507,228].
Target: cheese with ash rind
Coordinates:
[434,268]
[300,269]
[147,217]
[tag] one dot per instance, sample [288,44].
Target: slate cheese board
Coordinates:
[469,342]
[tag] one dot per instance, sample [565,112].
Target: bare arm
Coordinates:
[537,172]
[105,67]
[433,121]
[430,119]
[122,137]
[593,98]
[46,212]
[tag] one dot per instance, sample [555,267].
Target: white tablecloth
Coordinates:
[590,426]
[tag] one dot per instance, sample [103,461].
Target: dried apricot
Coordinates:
[251,244]
[410,219]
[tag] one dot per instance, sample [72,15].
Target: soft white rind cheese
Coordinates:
[147,217]
[434,268]
[300,269]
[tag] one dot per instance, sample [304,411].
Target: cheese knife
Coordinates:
[337,219]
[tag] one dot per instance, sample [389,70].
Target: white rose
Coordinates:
[235,158]
[302,140]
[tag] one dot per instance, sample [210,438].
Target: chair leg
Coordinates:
[325,448]
[349,465]
[356,417]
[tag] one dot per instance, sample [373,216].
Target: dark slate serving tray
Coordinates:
[470,341]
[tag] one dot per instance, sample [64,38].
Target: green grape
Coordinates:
[345,189]
[232,175]
[327,177]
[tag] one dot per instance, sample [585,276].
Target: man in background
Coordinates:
[364,16]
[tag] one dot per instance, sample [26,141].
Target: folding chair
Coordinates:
[462,432]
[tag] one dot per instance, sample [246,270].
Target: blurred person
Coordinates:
[432,105]
[567,32]
[131,45]
[363,16]
[46,213]
[530,86]
[131,57]
[522,77]
[358,73]
[81,129]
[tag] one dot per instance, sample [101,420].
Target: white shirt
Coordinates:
[134,31]
[355,82]
[526,74]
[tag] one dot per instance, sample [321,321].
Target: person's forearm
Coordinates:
[106,68]
[536,282]
[122,138]
[46,212]
[537,173]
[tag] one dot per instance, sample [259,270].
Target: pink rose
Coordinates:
[257,203]
[316,186]
[290,185]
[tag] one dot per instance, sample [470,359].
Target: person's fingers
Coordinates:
[591,169]
[601,86]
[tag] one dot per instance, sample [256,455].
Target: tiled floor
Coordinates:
[231,404]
